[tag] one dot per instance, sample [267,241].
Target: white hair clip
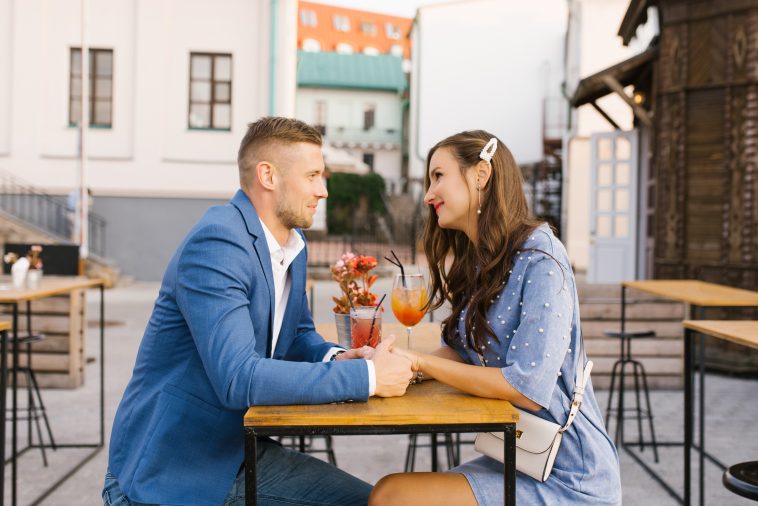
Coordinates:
[489,150]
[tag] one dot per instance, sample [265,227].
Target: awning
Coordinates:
[625,73]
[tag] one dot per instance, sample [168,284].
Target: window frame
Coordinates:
[92,98]
[213,83]
[372,32]
[308,18]
[369,117]
[392,31]
[341,27]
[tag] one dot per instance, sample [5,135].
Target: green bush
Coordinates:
[353,197]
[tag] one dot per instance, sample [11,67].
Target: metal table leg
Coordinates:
[688,370]
[251,488]
[509,456]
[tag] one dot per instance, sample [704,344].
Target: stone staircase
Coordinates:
[661,356]
[14,230]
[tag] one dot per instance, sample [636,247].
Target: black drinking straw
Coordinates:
[398,263]
[373,318]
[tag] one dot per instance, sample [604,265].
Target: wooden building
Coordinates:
[703,182]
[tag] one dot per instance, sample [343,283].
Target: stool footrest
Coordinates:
[629,333]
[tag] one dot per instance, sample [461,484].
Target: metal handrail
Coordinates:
[46,212]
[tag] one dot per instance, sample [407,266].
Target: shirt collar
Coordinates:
[283,255]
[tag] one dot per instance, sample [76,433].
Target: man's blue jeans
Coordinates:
[284,477]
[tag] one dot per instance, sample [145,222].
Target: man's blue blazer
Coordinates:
[178,437]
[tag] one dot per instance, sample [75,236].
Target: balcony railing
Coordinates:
[357,135]
[48,213]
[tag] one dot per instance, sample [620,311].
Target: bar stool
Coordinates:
[450,450]
[742,479]
[35,408]
[305,445]
[638,371]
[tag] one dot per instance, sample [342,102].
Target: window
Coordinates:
[397,50]
[210,103]
[100,99]
[308,18]
[344,48]
[311,46]
[368,28]
[392,30]
[368,159]
[341,23]
[368,116]
[320,116]
[370,51]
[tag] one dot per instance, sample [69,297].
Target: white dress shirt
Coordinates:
[281,258]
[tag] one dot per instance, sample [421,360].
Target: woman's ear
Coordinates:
[483,173]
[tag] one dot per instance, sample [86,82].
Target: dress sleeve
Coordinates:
[540,343]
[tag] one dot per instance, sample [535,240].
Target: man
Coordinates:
[230,329]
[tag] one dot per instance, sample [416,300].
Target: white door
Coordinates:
[613,207]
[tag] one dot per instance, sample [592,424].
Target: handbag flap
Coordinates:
[533,434]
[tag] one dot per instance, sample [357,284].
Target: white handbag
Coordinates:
[537,439]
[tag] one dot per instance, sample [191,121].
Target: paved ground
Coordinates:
[731,423]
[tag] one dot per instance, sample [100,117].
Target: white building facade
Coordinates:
[174,84]
[592,45]
[357,101]
[485,64]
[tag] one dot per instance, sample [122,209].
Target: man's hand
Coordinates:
[365,352]
[393,372]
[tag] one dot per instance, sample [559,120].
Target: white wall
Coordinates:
[593,45]
[149,151]
[6,38]
[344,108]
[485,64]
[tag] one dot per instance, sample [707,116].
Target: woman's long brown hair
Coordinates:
[478,271]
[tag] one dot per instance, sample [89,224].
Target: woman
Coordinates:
[514,310]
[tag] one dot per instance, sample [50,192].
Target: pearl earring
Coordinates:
[479,197]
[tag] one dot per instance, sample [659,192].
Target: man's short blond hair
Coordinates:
[271,130]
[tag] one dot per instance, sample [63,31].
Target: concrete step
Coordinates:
[609,347]
[654,382]
[610,292]
[652,365]
[594,309]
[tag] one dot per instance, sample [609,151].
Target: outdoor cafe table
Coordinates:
[426,407]
[744,333]
[49,286]
[699,295]
[4,327]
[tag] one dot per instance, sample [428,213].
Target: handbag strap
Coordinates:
[582,376]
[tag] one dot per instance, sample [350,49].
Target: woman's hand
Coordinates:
[414,357]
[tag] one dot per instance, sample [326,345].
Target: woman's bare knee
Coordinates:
[386,491]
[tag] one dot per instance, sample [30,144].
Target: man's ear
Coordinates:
[483,173]
[264,171]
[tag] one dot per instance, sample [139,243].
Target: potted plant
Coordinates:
[353,274]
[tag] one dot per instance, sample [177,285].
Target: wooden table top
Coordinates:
[430,402]
[5,326]
[48,286]
[425,336]
[699,293]
[737,331]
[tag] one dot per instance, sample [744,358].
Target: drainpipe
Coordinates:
[272,65]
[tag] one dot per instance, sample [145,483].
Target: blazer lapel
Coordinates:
[292,310]
[253,224]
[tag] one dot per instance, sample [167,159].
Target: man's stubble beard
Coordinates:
[288,217]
